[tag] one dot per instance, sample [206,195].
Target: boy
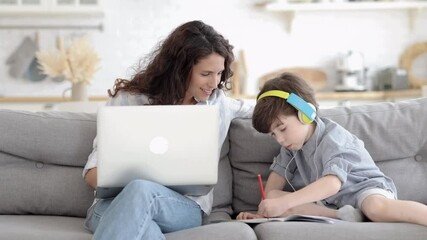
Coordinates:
[334,165]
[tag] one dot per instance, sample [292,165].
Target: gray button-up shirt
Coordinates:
[332,150]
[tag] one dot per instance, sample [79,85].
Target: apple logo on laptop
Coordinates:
[159,145]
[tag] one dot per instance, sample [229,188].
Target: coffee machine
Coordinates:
[351,72]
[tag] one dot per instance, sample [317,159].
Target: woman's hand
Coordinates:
[91,177]
[248,215]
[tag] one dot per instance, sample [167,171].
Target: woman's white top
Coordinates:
[229,109]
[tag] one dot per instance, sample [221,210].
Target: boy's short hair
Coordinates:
[269,108]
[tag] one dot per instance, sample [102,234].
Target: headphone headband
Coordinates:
[297,102]
[274,93]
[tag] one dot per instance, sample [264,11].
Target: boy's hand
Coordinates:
[272,207]
[248,215]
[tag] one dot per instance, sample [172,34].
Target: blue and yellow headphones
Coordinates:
[306,111]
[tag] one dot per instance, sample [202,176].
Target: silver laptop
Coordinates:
[176,146]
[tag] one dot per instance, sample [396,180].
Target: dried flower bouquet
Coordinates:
[77,63]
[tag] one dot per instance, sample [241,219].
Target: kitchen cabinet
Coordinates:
[292,9]
[16,8]
[38,14]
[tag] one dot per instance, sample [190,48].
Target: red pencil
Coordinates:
[261,186]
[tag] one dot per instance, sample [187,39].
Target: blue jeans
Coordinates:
[143,210]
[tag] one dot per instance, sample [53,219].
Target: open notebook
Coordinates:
[292,218]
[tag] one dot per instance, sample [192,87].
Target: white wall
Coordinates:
[133,27]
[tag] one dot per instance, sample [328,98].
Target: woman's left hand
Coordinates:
[248,215]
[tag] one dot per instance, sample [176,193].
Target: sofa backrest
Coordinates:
[395,134]
[42,156]
[41,161]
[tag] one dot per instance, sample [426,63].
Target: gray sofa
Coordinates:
[43,196]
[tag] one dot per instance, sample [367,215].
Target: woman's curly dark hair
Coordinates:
[165,79]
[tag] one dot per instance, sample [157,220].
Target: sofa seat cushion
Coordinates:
[16,227]
[344,230]
[223,231]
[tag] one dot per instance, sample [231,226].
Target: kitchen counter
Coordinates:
[365,95]
[326,99]
[45,99]
[43,103]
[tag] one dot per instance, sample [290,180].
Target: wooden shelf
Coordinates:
[347,6]
[337,96]
[290,9]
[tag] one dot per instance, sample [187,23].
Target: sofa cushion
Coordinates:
[41,159]
[251,153]
[13,227]
[222,194]
[342,230]
[42,228]
[61,138]
[390,130]
[395,134]
[223,231]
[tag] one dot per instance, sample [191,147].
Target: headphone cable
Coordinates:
[286,169]
[314,161]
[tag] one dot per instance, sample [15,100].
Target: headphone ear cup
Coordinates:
[303,118]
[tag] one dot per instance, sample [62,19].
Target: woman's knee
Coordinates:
[139,184]
[140,187]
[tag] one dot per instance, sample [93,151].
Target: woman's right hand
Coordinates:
[248,215]
[91,177]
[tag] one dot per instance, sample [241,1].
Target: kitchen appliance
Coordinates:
[392,79]
[351,71]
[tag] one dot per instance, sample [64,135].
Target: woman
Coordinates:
[191,66]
